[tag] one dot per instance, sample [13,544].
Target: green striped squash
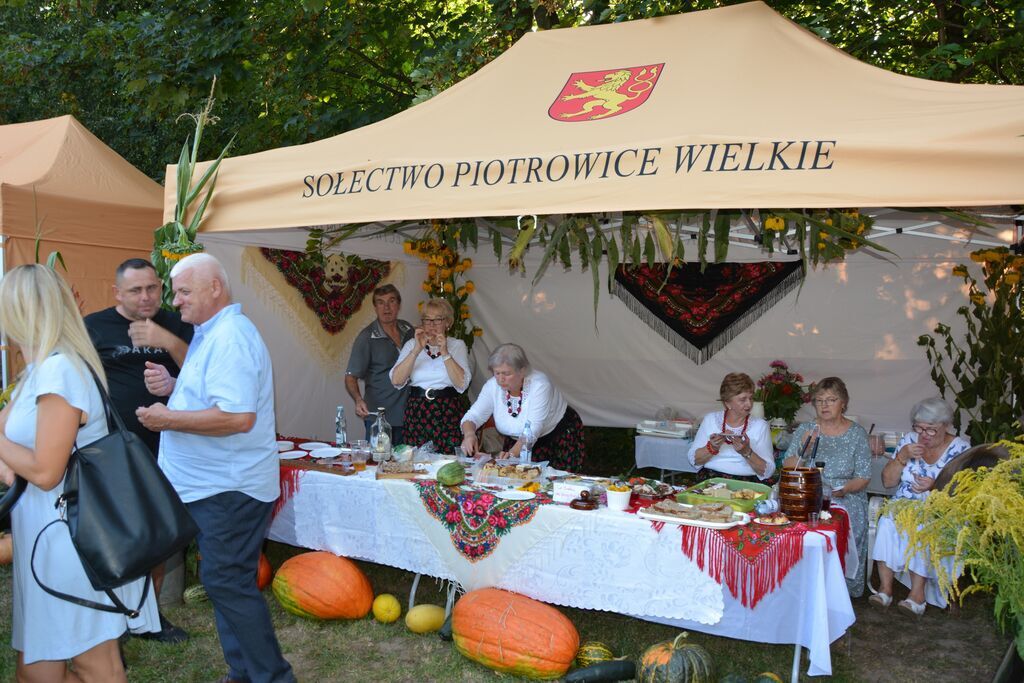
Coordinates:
[593,652]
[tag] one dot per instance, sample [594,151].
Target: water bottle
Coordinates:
[380,438]
[340,434]
[526,452]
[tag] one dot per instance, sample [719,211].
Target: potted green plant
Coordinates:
[781,392]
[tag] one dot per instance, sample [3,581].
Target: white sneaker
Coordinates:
[880,600]
[911,608]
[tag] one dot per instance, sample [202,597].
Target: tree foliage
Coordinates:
[293,72]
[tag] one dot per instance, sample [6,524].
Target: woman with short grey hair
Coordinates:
[920,456]
[932,410]
[511,355]
[517,395]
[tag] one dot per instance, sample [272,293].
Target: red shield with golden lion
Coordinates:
[602,94]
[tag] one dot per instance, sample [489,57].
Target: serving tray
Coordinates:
[738,519]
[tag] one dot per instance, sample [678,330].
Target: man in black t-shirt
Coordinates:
[126,336]
[133,332]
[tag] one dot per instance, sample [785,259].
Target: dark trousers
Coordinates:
[231,530]
[397,433]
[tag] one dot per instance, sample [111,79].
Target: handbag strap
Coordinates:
[117,608]
[114,420]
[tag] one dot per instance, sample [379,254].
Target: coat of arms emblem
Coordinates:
[594,95]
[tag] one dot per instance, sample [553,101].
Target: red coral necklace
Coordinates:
[746,421]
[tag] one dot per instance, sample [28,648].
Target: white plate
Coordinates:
[313,445]
[325,453]
[293,455]
[283,446]
[513,494]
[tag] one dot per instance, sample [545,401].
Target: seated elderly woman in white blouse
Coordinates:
[919,459]
[436,368]
[518,394]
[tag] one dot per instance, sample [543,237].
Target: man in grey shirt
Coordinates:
[373,355]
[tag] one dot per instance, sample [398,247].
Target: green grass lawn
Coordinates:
[365,650]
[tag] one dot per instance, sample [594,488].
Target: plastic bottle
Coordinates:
[380,438]
[340,433]
[526,452]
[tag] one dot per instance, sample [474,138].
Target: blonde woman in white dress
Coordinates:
[56,404]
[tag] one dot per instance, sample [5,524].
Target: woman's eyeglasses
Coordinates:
[432,320]
[928,431]
[826,401]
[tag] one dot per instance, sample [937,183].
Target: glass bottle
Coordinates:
[380,438]
[340,433]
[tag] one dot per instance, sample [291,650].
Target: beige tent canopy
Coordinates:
[88,203]
[734,107]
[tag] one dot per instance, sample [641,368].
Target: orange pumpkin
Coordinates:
[265,574]
[514,634]
[321,585]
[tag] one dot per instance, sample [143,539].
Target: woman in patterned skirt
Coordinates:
[518,394]
[437,368]
[844,448]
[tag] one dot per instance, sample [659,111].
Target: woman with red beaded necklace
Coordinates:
[516,394]
[731,443]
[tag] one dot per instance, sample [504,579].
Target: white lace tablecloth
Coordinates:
[591,560]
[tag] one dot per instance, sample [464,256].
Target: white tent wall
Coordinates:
[306,394]
[859,320]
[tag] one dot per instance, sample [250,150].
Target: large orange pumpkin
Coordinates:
[265,574]
[514,634]
[321,585]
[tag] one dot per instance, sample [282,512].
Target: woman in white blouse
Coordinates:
[517,395]
[436,367]
[730,442]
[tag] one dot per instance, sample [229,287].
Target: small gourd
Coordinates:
[425,618]
[593,652]
[195,593]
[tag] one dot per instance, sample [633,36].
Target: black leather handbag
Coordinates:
[123,514]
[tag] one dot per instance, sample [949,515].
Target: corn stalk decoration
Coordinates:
[819,236]
[175,240]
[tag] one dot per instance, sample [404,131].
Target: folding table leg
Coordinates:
[794,676]
[412,591]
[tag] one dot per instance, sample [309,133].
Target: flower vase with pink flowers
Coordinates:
[781,392]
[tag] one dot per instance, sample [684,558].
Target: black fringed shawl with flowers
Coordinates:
[700,312]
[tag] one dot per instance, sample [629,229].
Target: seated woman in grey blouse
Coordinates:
[844,448]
